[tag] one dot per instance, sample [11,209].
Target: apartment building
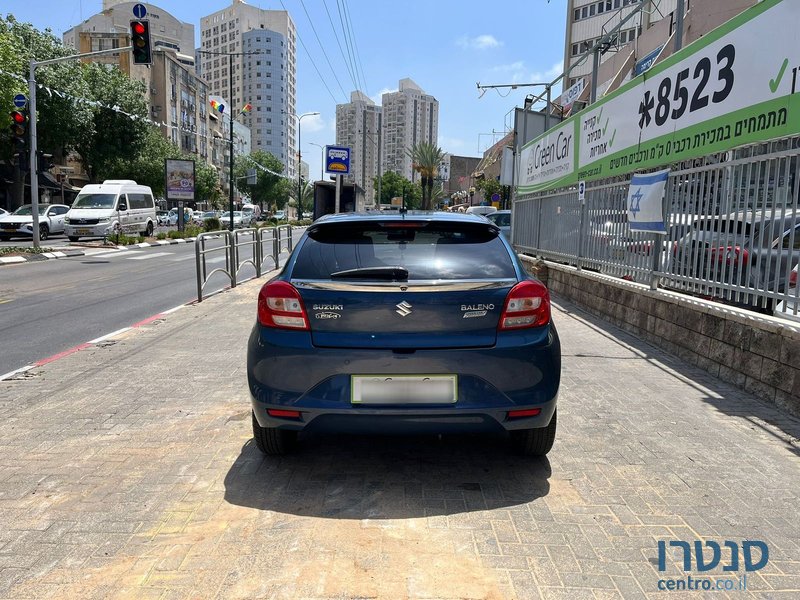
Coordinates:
[358,126]
[410,116]
[257,37]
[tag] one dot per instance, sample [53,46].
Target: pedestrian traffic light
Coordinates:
[44,162]
[140,40]
[19,127]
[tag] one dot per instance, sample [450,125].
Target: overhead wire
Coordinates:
[311,58]
[355,45]
[325,54]
[348,44]
[339,43]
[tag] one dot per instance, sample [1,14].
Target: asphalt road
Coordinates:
[51,306]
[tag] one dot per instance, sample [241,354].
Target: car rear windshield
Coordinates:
[427,250]
[500,219]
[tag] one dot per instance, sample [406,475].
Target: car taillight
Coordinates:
[280,305]
[793,278]
[527,305]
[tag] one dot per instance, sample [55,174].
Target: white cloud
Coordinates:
[377,98]
[313,123]
[515,66]
[481,42]
[549,74]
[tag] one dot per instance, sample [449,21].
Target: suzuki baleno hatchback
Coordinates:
[404,323]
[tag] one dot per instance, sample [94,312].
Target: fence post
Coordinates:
[200,240]
[257,250]
[234,257]
[276,247]
[581,236]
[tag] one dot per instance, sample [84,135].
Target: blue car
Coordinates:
[404,323]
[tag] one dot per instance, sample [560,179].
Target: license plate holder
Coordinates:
[83,231]
[403,389]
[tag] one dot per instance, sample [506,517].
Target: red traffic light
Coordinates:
[137,28]
[18,117]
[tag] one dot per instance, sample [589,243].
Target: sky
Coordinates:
[445,46]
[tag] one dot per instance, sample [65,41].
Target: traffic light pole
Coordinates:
[34,163]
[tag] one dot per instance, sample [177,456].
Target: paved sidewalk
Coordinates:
[127,471]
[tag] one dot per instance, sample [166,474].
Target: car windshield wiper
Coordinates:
[383,273]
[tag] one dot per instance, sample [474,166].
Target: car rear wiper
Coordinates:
[383,273]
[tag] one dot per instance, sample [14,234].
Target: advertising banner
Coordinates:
[180,179]
[722,91]
[646,202]
[548,160]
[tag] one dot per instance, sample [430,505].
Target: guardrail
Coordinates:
[234,244]
[732,219]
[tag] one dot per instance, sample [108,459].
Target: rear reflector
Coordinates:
[528,412]
[286,414]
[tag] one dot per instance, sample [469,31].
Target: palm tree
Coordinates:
[425,159]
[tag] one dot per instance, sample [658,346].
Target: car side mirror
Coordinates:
[122,206]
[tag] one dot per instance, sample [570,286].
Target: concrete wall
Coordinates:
[757,353]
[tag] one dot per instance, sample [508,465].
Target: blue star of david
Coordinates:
[636,200]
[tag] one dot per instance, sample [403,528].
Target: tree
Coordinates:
[425,159]
[270,189]
[307,196]
[394,185]
[488,187]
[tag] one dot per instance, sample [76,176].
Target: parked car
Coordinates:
[116,204]
[250,213]
[753,250]
[481,210]
[790,307]
[20,222]
[225,220]
[172,217]
[417,322]
[502,218]
[162,217]
[4,212]
[280,215]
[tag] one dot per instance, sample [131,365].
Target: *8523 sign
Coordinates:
[691,90]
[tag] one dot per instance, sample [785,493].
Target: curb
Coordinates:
[10,260]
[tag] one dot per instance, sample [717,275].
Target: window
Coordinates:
[591,10]
[577,15]
[574,49]
[584,12]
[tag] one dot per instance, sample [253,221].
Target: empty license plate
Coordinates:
[404,389]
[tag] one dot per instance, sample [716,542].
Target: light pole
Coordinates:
[322,156]
[299,178]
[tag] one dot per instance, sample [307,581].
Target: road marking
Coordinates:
[108,335]
[172,310]
[15,371]
[147,256]
[4,300]
[114,253]
[180,258]
[50,359]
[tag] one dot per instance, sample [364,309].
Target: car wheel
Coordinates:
[534,442]
[148,231]
[272,441]
[43,232]
[73,238]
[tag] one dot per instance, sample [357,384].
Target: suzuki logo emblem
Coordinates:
[403,309]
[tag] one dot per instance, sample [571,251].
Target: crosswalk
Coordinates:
[149,254]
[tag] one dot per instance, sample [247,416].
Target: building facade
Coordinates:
[358,126]
[410,116]
[237,29]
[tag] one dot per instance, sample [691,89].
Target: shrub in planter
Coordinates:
[212,224]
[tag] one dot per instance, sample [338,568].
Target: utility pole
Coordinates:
[299,155]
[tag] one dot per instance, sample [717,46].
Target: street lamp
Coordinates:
[299,178]
[322,156]
[471,194]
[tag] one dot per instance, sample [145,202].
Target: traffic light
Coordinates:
[140,40]
[44,162]
[19,128]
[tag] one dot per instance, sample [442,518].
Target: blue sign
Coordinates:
[139,11]
[20,100]
[337,160]
[646,62]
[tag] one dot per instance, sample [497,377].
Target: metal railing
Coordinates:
[241,248]
[733,228]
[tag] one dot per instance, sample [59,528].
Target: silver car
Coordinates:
[502,218]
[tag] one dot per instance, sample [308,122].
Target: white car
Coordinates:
[225,220]
[280,215]
[4,212]
[172,217]
[20,222]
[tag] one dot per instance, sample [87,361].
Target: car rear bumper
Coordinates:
[286,372]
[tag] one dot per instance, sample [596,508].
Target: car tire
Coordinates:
[73,238]
[148,231]
[44,231]
[272,441]
[535,442]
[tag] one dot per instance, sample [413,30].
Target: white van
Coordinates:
[250,214]
[481,210]
[100,209]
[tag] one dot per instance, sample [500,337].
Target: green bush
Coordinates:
[188,231]
[125,240]
[161,235]
[212,224]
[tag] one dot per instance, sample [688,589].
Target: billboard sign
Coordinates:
[179,179]
[337,160]
[547,160]
[646,61]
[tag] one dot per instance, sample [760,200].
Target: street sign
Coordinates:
[582,191]
[337,160]
[139,11]
[495,197]
[20,100]
[252,177]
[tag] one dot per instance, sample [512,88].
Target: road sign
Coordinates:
[337,160]
[582,191]
[495,197]
[139,11]
[20,100]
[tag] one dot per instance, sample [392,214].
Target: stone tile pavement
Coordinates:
[127,471]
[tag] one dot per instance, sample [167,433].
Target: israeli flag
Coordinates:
[645,202]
